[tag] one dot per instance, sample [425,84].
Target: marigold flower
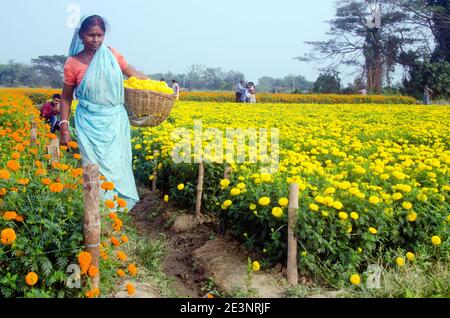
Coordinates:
[13,165]
[343,216]
[166,198]
[122,256]
[40,172]
[436,240]
[115,241]
[180,187]
[283,202]
[130,289]
[112,215]
[354,216]
[400,261]
[124,238]
[374,200]
[10,215]
[410,256]
[122,203]
[107,186]
[93,293]
[227,204]
[8,236]
[4,175]
[277,212]
[224,183]
[23,181]
[77,172]
[412,216]
[19,218]
[255,266]
[3,191]
[264,201]
[93,271]
[15,155]
[110,204]
[355,279]
[31,279]
[77,156]
[121,273]
[84,259]
[73,144]
[235,192]
[132,269]
[56,187]
[373,230]
[314,207]
[46,181]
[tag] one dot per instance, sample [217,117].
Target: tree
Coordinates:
[327,83]
[373,49]
[434,74]
[50,68]
[17,74]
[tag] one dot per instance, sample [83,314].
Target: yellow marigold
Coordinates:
[355,279]
[107,186]
[227,203]
[337,205]
[180,187]
[31,279]
[122,203]
[10,216]
[412,216]
[253,207]
[4,175]
[264,201]
[397,196]
[410,256]
[255,266]
[56,187]
[166,198]
[235,192]
[354,216]
[122,256]
[121,273]
[374,200]
[407,205]
[436,240]
[400,261]
[283,202]
[343,216]
[277,212]
[224,183]
[132,269]
[130,289]
[266,177]
[13,165]
[110,204]
[314,207]
[93,271]
[8,236]
[373,230]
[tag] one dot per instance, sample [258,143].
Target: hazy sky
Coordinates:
[256,37]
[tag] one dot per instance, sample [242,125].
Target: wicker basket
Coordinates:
[148,108]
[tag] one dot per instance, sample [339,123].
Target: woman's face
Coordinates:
[93,38]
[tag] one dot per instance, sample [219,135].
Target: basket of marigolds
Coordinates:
[148,102]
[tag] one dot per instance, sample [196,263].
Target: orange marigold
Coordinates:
[122,256]
[77,172]
[131,290]
[23,181]
[3,191]
[63,148]
[121,273]
[19,218]
[115,241]
[93,293]
[132,269]
[46,181]
[5,175]
[110,204]
[73,144]
[122,203]
[84,259]
[38,163]
[31,279]
[40,172]
[15,155]
[108,186]
[93,271]
[8,236]
[112,215]
[10,215]
[13,165]
[56,187]
[124,239]
[103,178]
[77,156]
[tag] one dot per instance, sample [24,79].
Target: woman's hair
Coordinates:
[92,21]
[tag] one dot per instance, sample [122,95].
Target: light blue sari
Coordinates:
[102,125]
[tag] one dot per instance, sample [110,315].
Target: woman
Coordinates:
[95,73]
[252,92]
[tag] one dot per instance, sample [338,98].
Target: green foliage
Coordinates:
[327,83]
[38,98]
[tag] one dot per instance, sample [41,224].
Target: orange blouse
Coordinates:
[74,70]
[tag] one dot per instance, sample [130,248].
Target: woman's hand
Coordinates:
[65,137]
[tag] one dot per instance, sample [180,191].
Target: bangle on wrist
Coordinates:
[64,122]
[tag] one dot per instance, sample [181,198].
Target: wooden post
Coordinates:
[292,269]
[54,151]
[155,174]
[198,201]
[92,225]
[33,133]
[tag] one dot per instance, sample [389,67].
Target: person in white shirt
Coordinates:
[176,88]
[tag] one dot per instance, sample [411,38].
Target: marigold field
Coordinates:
[374,186]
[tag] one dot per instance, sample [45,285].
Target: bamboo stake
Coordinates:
[198,201]
[292,269]
[53,150]
[92,225]
[155,174]
[33,133]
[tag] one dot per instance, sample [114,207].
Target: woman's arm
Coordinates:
[66,103]
[131,71]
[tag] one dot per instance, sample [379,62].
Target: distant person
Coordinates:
[252,92]
[427,92]
[240,89]
[176,88]
[245,97]
[50,112]
[363,91]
